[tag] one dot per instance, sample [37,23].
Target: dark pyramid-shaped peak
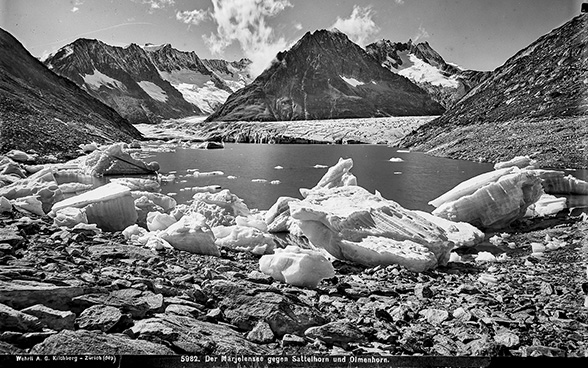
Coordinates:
[325,75]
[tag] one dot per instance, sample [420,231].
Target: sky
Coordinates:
[474,34]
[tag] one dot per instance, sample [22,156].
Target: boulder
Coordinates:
[245,304]
[115,160]
[13,320]
[191,234]
[110,207]
[354,225]
[9,167]
[54,319]
[338,333]
[20,294]
[190,336]
[243,238]
[5,205]
[336,176]
[297,266]
[461,234]
[94,342]
[99,317]
[496,203]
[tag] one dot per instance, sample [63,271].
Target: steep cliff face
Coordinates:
[124,78]
[188,74]
[44,112]
[445,83]
[534,104]
[323,76]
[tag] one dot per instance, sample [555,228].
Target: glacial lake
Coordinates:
[260,173]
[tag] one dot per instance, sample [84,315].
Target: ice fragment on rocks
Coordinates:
[67,188]
[352,224]
[219,208]
[29,204]
[134,232]
[545,206]
[518,161]
[159,221]
[139,184]
[492,204]
[20,156]
[41,184]
[110,207]
[115,160]
[243,238]
[554,182]
[191,234]
[485,257]
[277,217]
[297,266]
[70,217]
[461,234]
[336,176]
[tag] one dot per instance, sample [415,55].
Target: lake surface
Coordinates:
[411,179]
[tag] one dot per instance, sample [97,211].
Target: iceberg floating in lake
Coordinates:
[518,161]
[354,225]
[396,159]
[115,160]
[337,176]
[297,266]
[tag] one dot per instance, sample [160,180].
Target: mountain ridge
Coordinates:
[324,75]
[535,104]
[43,112]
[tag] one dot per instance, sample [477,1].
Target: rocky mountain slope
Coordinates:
[325,76]
[446,83]
[46,113]
[535,104]
[188,74]
[234,73]
[124,78]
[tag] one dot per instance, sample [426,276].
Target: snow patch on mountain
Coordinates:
[207,97]
[354,82]
[420,71]
[153,90]
[98,79]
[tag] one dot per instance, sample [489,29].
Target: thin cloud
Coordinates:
[421,34]
[399,2]
[298,26]
[192,17]
[76,5]
[74,9]
[74,37]
[244,21]
[156,4]
[359,26]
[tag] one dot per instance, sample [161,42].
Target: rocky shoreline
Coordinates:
[76,292]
